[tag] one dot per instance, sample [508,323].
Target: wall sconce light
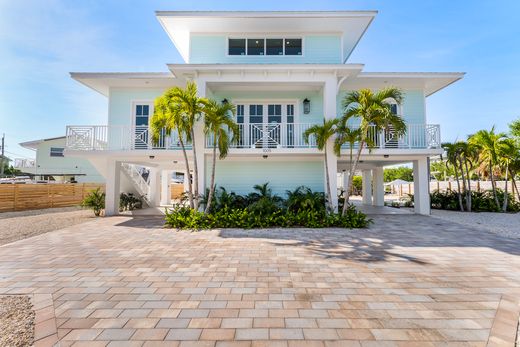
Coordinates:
[175,161]
[265,156]
[306,106]
[152,157]
[225,101]
[386,155]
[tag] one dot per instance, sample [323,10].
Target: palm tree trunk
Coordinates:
[493,186]
[513,182]
[187,176]
[506,198]
[353,167]
[463,176]
[212,186]
[327,180]
[468,194]
[195,171]
[458,187]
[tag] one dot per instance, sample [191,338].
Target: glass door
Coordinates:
[141,138]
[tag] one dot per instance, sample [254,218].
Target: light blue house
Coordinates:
[285,71]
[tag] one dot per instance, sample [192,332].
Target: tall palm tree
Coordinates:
[452,158]
[467,154]
[168,118]
[488,144]
[508,152]
[323,133]
[219,122]
[374,111]
[191,107]
[344,135]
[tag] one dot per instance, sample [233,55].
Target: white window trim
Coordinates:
[136,102]
[264,37]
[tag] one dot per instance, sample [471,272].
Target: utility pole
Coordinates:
[2,158]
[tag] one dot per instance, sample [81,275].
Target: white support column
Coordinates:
[330,112]
[421,187]
[154,189]
[366,179]
[379,187]
[113,187]
[199,141]
[165,187]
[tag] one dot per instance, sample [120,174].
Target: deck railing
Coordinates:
[251,136]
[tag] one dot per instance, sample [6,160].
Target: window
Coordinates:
[56,152]
[274,46]
[393,108]
[293,46]
[274,113]
[255,46]
[142,112]
[240,113]
[290,113]
[237,47]
[256,113]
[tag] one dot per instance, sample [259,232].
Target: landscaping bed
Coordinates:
[16,321]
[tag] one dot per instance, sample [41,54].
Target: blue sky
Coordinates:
[41,41]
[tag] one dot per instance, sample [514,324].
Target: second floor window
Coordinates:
[265,46]
[56,152]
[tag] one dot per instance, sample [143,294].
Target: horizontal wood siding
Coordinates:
[19,197]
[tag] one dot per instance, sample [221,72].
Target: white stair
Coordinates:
[141,185]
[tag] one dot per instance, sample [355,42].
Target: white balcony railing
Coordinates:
[258,135]
[21,163]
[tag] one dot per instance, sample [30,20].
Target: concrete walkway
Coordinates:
[409,280]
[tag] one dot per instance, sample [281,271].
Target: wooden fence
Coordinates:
[19,197]
[176,190]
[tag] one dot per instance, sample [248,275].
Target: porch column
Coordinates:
[421,186]
[112,187]
[199,141]
[379,187]
[154,189]
[165,187]
[329,110]
[366,181]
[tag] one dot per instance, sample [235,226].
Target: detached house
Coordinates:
[284,71]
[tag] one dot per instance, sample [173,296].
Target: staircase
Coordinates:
[141,185]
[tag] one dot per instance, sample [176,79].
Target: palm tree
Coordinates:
[191,106]
[375,114]
[488,144]
[467,153]
[508,152]
[218,122]
[323,133]
[452,157]
[346,134]
[168,118]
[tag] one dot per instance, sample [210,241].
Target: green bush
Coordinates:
[128,202]
[480,201]
[95,200]
[183,217]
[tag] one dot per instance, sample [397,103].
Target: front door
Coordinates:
[142,113]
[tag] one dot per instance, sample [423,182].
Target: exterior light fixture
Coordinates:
[152,157]
[306,106]
[265,156]
[175,161]
[386,155]
[225,101]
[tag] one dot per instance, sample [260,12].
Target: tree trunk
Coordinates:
[506,198]
[353,167]
[513,181]
[458,187]
[212,186]
[195,171]
[493,186]
[464,189]
[468,195]
[187,165]
[327,180]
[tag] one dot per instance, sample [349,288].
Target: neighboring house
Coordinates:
[51,164]
[284,71]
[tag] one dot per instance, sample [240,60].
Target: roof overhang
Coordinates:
[101,82]
[194,70]
[179,25]
[35,143]
[429,82]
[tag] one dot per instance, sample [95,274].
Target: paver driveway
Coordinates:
[408,280]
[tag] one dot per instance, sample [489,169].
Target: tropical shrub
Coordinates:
[95,200]
[481,201]
[129,202]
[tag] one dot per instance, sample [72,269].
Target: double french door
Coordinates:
[266,125]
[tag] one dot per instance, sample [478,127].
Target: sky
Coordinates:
[41,41]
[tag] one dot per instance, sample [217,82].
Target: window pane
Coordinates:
[259,110]
[139,110]
[393,108]
[290,110]
[237,46]
[293,46]
[140,121]
[146,110]
[274,46]
[252,110]
[255,46]
[56,152]
[240,110]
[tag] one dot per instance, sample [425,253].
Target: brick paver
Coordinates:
[408,280]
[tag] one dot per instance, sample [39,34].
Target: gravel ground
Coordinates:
[16,321]
[504,224]
[23,224]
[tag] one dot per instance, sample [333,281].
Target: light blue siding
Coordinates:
[240,177]
[317,49]
[120,103]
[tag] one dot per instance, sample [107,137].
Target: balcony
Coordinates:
[251,136]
